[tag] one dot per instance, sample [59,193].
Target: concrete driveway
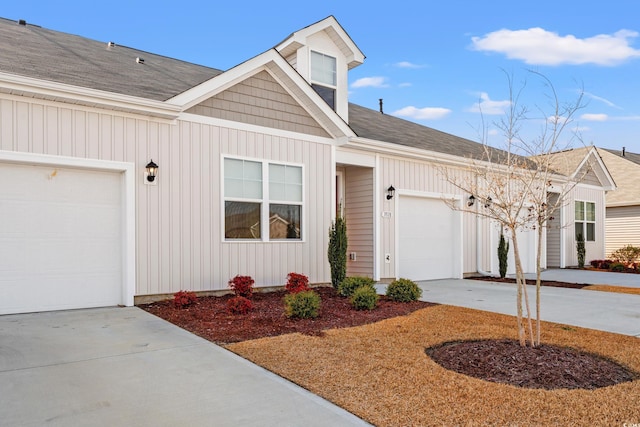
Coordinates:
[126,367]
[606,311]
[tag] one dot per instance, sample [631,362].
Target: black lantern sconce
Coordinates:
[152,171]
[390,192]
[471,200]
[488,202]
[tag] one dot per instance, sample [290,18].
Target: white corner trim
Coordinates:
[129,200]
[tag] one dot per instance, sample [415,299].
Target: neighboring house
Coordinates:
[253,165]
[623,205]
[583,211]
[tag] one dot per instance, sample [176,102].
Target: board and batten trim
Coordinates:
[129,215]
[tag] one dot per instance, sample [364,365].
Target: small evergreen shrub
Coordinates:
[347,287]
[242,286]
[239,305]
[303,305]
[182,299]
[581,250]
[337,251]
[364,298]
[616,266]
[503,255]
[403,290]
[297,283]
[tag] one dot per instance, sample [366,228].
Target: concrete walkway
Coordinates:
[125,367]
[606,311]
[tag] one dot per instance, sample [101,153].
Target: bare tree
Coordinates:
[510,186]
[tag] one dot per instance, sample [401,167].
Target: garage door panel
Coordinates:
[60,238]
[427,244]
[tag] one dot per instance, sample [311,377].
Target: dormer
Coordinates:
[323,53]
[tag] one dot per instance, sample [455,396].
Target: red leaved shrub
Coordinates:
[242,286]
[297,283]
[239,305]
[182,299]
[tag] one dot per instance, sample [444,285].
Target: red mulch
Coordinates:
[547,367]
[493,360]
[209,319]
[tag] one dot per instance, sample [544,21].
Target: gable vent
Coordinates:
[139,60]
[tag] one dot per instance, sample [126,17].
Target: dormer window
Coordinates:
[323,77]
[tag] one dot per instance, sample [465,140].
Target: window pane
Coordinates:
[579,230]
[233,168]
[591,232]
[323,68]
[579,211]
[241,220]
[252,190]
[285,183]
[253,170]
[284,221]
[293,175]
[326,93]
[276,173]
[293,193]
[591,211]
[276,191]
[233,187]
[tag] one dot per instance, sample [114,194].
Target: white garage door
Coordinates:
[61,239]
[429,242]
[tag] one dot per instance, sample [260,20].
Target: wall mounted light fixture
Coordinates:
[390,192]
[471,200]
[488,202]
[152,171]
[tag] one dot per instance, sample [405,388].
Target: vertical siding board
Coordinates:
[22,127]
[37,128]
[79,148]
[52,131]
[6,124]
[65,127]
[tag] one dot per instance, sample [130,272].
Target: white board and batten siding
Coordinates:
[179,237]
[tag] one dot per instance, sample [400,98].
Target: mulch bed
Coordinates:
[209,318]
[551,283]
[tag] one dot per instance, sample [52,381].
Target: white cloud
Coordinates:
[405,85]
[537,46]
[407,64]
[603,100]
[427,113]
[370,82]
[488,106]
[594,117]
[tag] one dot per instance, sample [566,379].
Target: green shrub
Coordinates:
[347,287]
[337,251]
[503,255]
[404,290]
[581,250]
[616,266]
[303,305]
[364,298]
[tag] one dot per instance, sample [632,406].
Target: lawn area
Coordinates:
[381,373]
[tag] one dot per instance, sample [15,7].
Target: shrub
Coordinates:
[404,290]
[503,255]
[364,298]
[242,286]
[581,250]
[182,299]
[616,266]
[304,305]
[626,254]
[347,287]
[297,283]
[337,251]
[595,263]
[239,305]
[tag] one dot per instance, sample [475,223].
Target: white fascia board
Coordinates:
[259,63]
[593,152]
[353,54]
[45,89]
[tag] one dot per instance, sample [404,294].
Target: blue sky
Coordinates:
[431,62]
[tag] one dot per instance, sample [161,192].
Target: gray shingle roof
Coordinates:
[372,124]
[36,52]
[632,157]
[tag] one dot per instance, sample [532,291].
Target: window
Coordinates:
[323,77]
[262,200]
[585,222]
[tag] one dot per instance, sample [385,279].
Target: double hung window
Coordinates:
[262,200]
[323,77]
[585,220]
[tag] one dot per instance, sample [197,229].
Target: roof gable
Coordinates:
[583,164]
[626,174]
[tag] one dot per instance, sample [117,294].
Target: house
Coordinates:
[253,164]
[623,205]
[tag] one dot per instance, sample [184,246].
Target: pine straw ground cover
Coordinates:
[381,372]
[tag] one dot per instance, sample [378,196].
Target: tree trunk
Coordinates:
[522,291]
[538,283]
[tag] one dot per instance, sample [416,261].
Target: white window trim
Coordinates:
[585,221]
[264,202]
[334,86]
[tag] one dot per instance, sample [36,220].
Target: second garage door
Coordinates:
[429,242]
[61,238]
